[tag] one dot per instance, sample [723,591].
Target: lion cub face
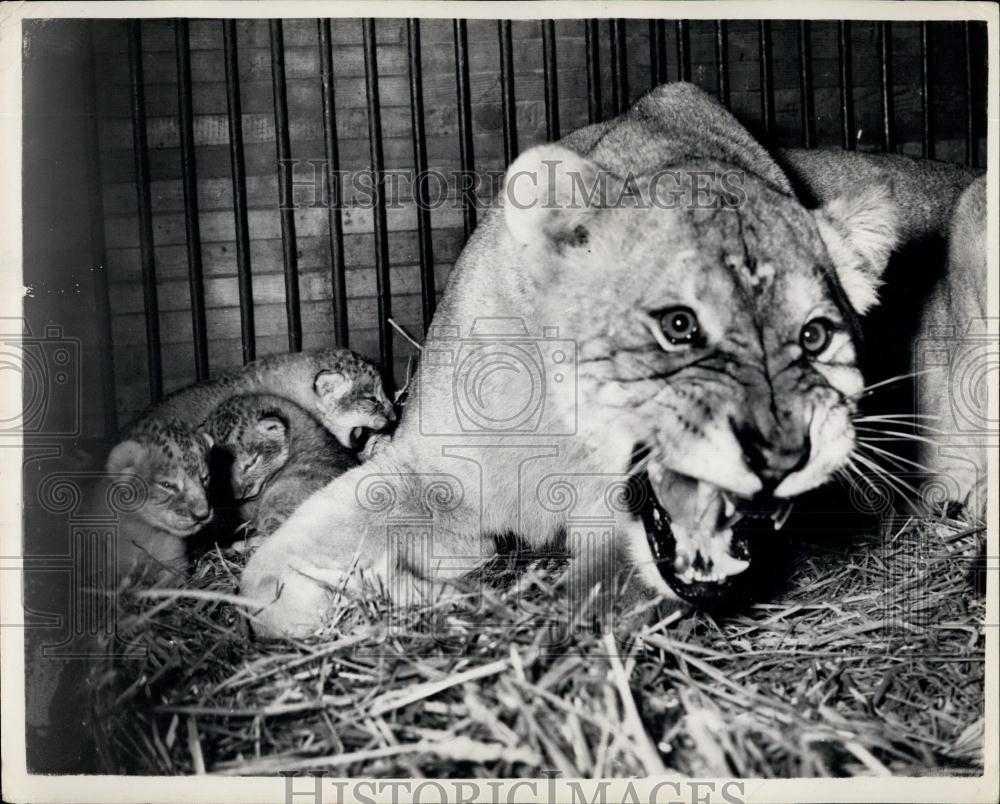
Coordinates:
[170,463]
[351,399]
[715,327]
[254,437]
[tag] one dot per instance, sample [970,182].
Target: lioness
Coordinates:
[649,339]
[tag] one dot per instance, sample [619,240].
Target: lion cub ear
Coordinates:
[550,193]
[272,427]
[126,458]
[860,231]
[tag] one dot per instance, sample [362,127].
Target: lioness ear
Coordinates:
[550,193]
[860,231]
[331,383]
[125,458]
[272,428]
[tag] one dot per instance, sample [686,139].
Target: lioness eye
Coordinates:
[679,325]
[815,336]
[166,484]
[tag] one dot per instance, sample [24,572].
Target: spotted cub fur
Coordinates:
[340,388]
[278,455]
[164,464]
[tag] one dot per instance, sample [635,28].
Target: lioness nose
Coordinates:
[771,462]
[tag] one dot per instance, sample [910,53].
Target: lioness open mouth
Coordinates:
[699,534]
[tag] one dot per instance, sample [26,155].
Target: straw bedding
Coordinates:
[868,659]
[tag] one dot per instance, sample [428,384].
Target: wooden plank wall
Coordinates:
[304,106]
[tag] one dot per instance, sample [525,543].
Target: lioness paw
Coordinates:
[297,601]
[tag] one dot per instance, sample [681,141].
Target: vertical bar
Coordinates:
[846,84]
[806,97]
[185,116]
[658,51]
[140,148]
[888,113]
[595,112]
[102,295]
[619,66]
[722,61]
[286,204]
[465,149]
[551,79]
[333,186]
[379,217]
[766,79]
[508,107]
[926,97]
[238,165]
[683,51]
[427,295]
[971,143]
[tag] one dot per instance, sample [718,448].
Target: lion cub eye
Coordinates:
[679,325]
[815,336]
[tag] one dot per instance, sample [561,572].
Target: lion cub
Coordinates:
[157,484]
[340,388]
[278,454]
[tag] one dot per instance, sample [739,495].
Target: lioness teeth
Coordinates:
[732,521]
[729,505]
[780,516]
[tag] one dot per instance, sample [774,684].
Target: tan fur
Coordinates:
[956,350]
[575,292]
[163,467]
[342,389]
[280,454]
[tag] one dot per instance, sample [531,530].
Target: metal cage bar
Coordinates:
[885,78]
[846,85]
[683,51]
[102,292]
[508,107]
[971,142]
[551,79]
[237,161]
[382,286]
[428,298]
[466,152]
[807,100]
[619,66]
[595,110]
[722,61]
[766,78]
[189,175]
[140,146]
[658,51]
[926,96]
[335,222]
[286,204]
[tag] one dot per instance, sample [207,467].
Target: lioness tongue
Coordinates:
[704,549]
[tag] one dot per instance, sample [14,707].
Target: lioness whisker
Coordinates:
[893,455]
[889,381]
[894,435]
[901,486]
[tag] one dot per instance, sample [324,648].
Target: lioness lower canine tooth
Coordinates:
[781,516]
